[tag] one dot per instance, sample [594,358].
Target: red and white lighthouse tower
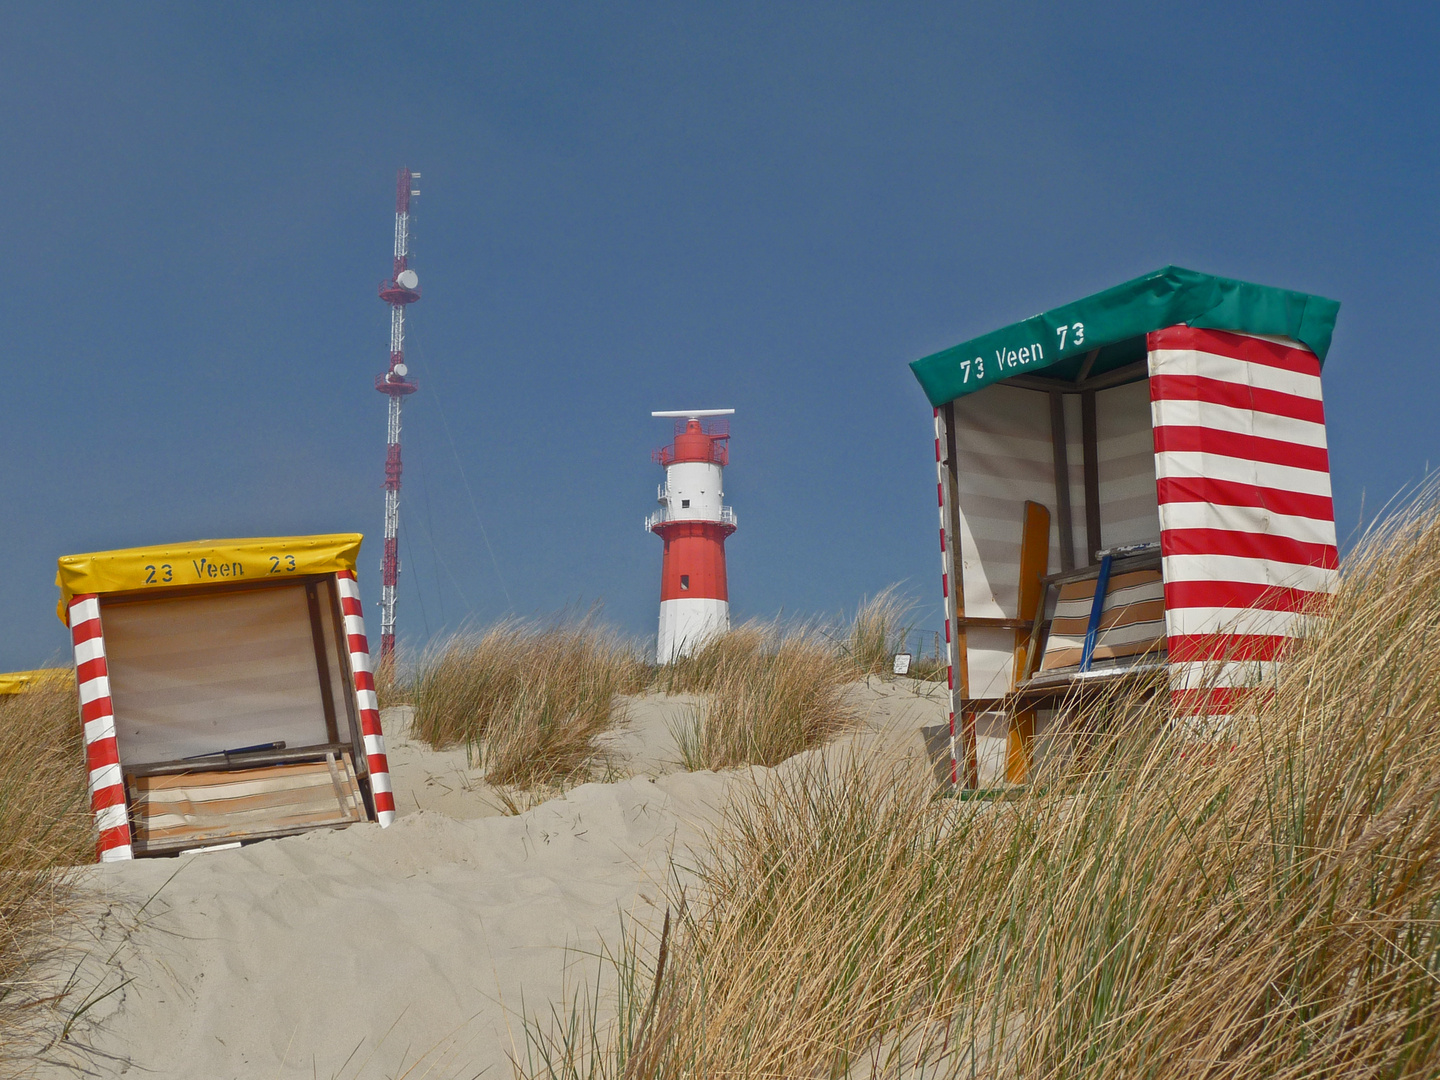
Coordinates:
[693,521]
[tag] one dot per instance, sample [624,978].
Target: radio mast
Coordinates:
[402,289]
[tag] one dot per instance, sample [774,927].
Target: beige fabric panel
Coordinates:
[1075,457]
[1125,454]
[1125,450]
[1003,458]
[200,674]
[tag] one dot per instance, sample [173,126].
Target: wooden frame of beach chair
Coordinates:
[1174,421]
[226,692]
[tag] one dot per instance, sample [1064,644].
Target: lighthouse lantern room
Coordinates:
[694,521]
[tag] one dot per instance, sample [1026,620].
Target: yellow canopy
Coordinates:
[17,682]
[203,562]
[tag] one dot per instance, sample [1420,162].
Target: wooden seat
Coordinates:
[1131,624]
[1077,648]
[192,809]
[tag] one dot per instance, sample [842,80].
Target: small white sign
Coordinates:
[902,663]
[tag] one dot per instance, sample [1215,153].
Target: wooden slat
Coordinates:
[205,807]
[983,622]
[347,676]
[1060,453]
[1089,438]
[1034,560]
[1037,634]
[222,762]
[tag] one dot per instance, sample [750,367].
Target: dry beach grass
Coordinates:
[1266,905]
[769,692]
[701,670]
[529,699]
[390,689]
[44,828]
[882,627]
[878,631]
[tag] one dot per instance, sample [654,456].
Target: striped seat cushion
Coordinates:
[1132,622]
[171,812]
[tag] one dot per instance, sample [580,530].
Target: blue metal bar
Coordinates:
[1097,608]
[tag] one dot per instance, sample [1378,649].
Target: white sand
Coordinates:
[408,951]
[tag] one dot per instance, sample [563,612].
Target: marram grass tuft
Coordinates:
[768,692]
[528,699]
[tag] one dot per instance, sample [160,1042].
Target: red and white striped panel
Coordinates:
[365,698]
[1247,527]
[97,714]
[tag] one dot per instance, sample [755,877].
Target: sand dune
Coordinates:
[366,952]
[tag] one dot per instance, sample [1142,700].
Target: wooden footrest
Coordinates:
[191,809]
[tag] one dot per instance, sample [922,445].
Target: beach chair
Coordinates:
[1172,431]
[226,692]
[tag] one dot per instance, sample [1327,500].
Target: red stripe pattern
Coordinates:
[949,602]
[365,699]
[1204,489]
[97,714]
[1247,527]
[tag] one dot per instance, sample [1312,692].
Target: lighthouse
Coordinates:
[694,521]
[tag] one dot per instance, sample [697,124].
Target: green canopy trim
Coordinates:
[1057,342]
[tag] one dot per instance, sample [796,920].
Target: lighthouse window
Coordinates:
[685,504]
[684,581]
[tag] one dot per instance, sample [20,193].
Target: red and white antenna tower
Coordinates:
[402,289]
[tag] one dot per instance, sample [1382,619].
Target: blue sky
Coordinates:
[767,207]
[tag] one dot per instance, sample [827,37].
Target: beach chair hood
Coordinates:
[1115,321]
[204,562]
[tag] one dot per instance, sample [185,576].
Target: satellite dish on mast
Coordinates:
[407,279]
[401,370]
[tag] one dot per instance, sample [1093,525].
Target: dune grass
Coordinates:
[390,688]
[1266,904]
[882,627]
[929,667]
[879,631]
[528,699]
[44,830]
[769,692]
[772,690]
[701,670]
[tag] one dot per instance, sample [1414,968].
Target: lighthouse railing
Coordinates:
[663,515]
